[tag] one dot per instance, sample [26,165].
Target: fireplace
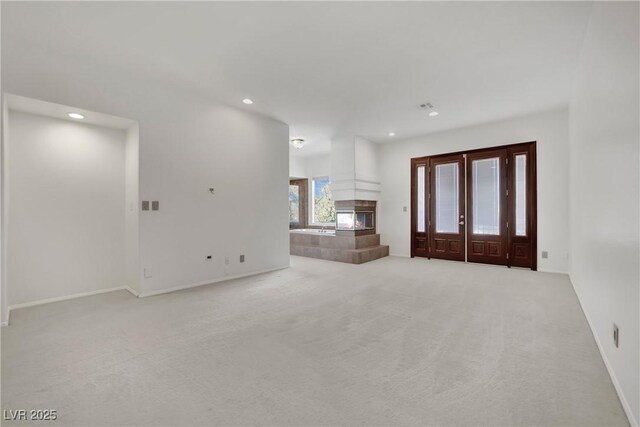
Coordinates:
[355,217]
[350,220]
[355,240]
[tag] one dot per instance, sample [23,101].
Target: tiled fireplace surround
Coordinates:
[354,247]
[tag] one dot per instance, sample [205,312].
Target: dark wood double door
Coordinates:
[476,206]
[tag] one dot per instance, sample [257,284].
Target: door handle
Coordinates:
[461,223]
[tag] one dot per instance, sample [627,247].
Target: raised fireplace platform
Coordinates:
[328,246]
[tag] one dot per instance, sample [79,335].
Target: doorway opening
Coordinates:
[73,184]
[476,206]
[298,204]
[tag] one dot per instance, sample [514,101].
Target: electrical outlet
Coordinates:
[616,335]
[147,273]
[226,260]
[404,209]
[545,254]
[145,205]
[241,258]
[155,205]
[209,258]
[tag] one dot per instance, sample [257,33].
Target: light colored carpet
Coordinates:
[392,342]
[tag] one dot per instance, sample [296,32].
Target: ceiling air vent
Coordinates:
[425,106]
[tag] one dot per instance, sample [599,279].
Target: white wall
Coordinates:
[67,208]
[367,169]
[318,166]
[132,209]
[188,143]
[4,179]
[297,167]
[604,129]
[354,168]
[343,160]
[549,129]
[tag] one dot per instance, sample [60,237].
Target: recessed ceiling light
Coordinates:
[248,101]
[433,113]
[75,116]
[298,142]
[392,134]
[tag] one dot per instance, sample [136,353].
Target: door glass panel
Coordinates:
[447,198]
[486,196]
[521,195]
[421,199]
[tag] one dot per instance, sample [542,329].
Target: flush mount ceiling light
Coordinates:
[248,101]
[433,113]
[298,142]
[77,116]
[392,134]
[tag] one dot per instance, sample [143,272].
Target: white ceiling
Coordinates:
[58,111]
[329,68]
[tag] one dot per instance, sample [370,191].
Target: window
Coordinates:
[294,204]
[324,209]
[421,201]
[521,195]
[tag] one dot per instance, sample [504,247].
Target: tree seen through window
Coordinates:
[324,209]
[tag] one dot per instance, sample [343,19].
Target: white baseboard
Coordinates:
[401,255]
[63,298]
[614,379]
[131,291]
[207,282]
[550,270]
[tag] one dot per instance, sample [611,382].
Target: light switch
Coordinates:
[145,205]
[155,205]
